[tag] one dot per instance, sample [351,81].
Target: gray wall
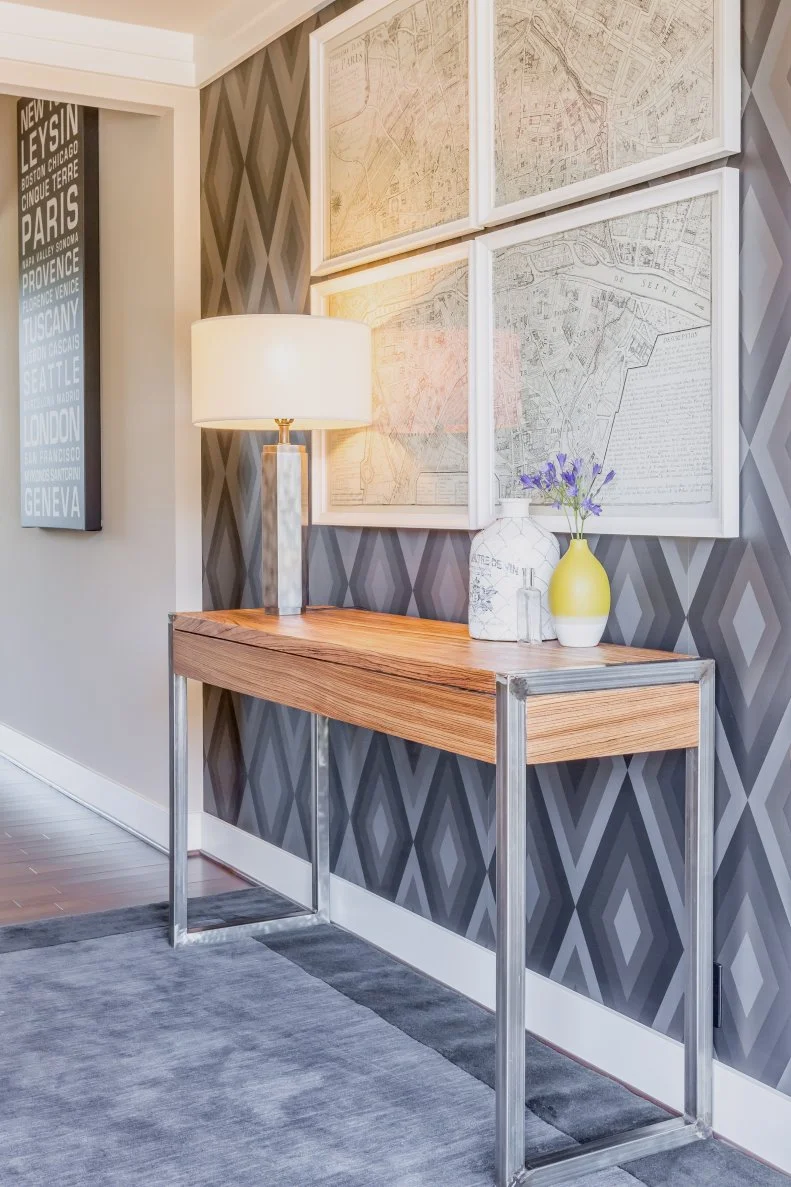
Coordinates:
[415,825]
[83,663]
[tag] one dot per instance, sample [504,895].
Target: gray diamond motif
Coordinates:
[448,855]
[224,168]
[760,264]
[627,926]
[749,622]
[628,610]
[533,888]
[747,975]
[381,829]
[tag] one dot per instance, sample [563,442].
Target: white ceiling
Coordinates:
[179,42]
[184,16]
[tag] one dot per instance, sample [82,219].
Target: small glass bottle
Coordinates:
[528,610]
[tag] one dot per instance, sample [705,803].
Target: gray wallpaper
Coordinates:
[416,825]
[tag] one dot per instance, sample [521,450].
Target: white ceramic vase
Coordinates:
[501,555]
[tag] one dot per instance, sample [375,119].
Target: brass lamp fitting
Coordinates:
[284,430]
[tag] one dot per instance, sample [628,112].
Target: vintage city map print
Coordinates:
[584,87]
[415,453]
[603,345]
[397,121]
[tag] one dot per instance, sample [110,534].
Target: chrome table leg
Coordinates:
[512,694]
[699,877]
[180,934]
[179,805]
[511,923]
[320,813]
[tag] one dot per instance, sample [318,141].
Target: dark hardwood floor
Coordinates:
[57,857]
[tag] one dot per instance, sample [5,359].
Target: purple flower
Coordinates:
[570,481]
[570,486]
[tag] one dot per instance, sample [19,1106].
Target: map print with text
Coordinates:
[587,86]
[603,346]
[415,451]
[399,126]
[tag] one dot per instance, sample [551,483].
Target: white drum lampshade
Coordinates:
[251,370]
[293,370]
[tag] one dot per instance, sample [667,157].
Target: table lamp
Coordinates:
[294,370]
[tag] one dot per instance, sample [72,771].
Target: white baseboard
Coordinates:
[123,806]
[746,1112]
[257,859]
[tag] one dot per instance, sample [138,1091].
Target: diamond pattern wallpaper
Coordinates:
[606,839]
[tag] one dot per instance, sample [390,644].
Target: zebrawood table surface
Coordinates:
[429,682]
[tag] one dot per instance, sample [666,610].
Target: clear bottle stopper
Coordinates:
[528,610]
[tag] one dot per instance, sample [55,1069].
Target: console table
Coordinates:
[506,703]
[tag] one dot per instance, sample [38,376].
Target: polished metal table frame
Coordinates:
[180,933]
[513,695]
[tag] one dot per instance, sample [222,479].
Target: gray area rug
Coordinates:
[237,906]
[309,1059]
[574,1099]
[124,1063]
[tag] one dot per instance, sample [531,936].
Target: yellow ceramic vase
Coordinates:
[579,597]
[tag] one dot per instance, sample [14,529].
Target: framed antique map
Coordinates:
[582,98]
[392,162]
[612,330]
[419,464]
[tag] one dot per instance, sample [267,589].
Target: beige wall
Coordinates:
[83,638]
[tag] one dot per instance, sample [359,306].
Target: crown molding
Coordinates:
[50,38]
[253,25]
[43,37]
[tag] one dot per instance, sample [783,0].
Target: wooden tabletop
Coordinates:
[414,648]
[429,681]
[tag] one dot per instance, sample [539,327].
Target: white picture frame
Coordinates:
[725,138]
[355,22]
[417,515]
[720,518]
